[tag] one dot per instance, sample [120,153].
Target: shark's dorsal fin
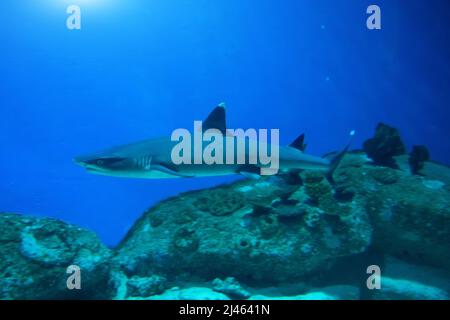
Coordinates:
[216,119]
[299,143]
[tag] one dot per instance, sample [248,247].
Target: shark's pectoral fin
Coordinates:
[170,171]
[250,171]
[250,175]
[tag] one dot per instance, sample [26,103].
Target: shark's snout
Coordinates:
[81,160]
[88,161]
[101,162]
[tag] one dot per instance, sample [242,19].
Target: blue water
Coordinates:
[139,69]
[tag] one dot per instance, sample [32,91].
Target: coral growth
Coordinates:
[417,158]
[220,202]
[386,144]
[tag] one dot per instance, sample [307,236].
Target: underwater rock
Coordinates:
[433,184]
[385,175]
[411,221]
[231,287]
[121,287]
[316,186]
[338,292]
[410,214]
[398,269]
[193,293]
[312,217]
[307,296]
[289,212]
[385,144]
[35,254]
[350,176]
[279,234]
[417,158]
[251,242]
[147,286]
[117,285]
[220,202]
[400,289]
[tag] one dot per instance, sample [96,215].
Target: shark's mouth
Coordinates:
[96,171]
[92,169]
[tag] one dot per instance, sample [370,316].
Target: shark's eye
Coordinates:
[102,162]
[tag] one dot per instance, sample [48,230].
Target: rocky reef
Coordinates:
[279,237]
[245,226]
[36,252]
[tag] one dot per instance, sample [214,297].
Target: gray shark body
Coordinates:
[152,159]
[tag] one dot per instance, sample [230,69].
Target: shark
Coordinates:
[152,158]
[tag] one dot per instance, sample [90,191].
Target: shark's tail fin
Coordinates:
[335,159]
